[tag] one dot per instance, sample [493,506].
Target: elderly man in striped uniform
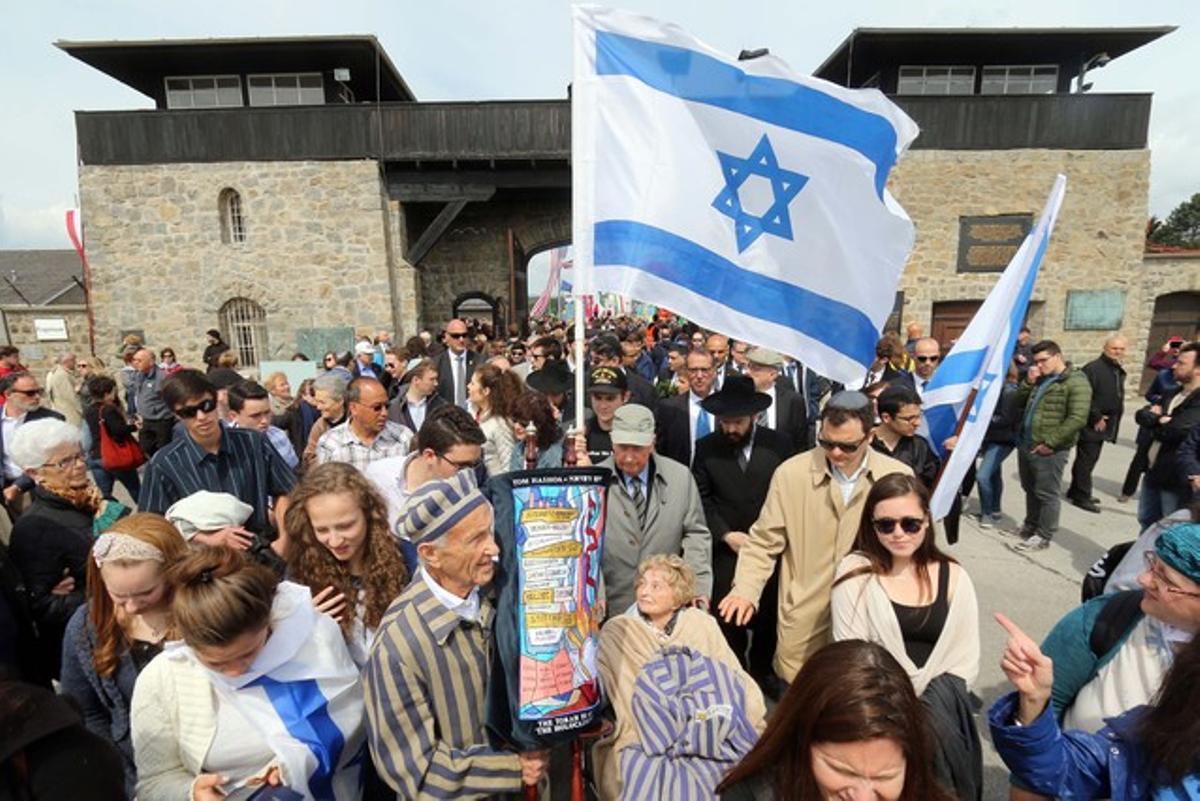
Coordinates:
[426,678]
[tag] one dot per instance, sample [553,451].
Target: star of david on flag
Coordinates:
[745,196]
[785,185]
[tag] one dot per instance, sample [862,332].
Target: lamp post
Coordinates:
[1095,62]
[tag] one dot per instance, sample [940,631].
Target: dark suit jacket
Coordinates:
[1108,398]
[40,413]
[445,387]
[732,498]
[673,430]
[791,418]
[641,391]
[384,376]
[398,409]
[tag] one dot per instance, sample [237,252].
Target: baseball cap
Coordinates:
[633,424]
[607,379]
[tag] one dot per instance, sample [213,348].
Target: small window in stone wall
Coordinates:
[244,327]
[1094,309]
[233,226]
[987,244]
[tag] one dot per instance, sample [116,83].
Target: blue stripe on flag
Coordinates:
[305,714]
[680,261]
[699,78]
[959,368]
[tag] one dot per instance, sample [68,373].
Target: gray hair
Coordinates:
[64,355]
[334,385]
[31,444]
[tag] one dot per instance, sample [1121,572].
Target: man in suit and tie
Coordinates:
[733,469]
[653,508]
[786,412]
[681,419]
[809,386]
[455,365]
[927,353]
[718,346]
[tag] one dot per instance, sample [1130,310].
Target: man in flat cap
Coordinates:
[787,412]
[653,508]
[426,677]
[808,521]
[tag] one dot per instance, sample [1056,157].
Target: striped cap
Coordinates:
[437,506]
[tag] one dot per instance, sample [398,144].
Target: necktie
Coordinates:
[460,381]
[763,419]
[743,462]
[703,426]
[639,499]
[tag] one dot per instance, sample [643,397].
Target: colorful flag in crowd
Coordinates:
[975,368]
[552,282]
[744,195]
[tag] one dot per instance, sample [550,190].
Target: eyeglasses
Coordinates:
[68,462]
[33,393]
[1042,360]
[1160,578]
[844,447]
[928,359]
[908,525]
[375,407]
[911,419]
[456,336]
[208,406]
[459,465]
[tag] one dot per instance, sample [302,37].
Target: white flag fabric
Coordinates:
[745,196]
[303,696]
[979,359]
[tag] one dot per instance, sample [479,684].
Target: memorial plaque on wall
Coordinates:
[1094,309]
[987,244]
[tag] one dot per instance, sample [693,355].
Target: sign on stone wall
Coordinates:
[1094,309]
[50,329]
[987,244]
[316,342]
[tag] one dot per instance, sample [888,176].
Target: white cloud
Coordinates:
[38,228]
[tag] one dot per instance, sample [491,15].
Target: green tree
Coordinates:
[1182,226]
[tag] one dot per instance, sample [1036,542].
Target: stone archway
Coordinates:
[479,306]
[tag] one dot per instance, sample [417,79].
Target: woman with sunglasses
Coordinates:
[51,540]
[168,363]
[342,551]
[898,589]
[122,626]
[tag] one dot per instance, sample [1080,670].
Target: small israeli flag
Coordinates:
[974,369]
[747,197]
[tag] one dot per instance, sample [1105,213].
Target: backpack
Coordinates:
[1097,575]
[1120,614]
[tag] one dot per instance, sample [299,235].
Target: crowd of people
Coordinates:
[294,598]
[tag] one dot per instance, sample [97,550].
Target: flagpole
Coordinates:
[958,427]
[579,366]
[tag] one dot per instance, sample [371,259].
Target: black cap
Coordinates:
[607,379]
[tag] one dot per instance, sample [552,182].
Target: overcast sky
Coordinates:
[462,50]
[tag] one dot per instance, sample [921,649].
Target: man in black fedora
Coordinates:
[554,380]
[733,467]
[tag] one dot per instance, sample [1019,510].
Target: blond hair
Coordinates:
[679,575]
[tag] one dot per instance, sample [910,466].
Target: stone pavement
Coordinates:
[1035,590]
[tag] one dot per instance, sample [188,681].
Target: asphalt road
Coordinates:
[1035,590]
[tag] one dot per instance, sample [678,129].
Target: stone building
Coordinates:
[43,309]
[291,191]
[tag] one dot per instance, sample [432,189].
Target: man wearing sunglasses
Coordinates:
[23,404]
[927,354]
[456,364]
[367,434]
[808,521]
[213,457]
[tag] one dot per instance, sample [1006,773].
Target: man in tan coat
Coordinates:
[62,389]
[809,522]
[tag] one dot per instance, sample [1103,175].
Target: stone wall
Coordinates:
[37,355]
[1097,243]
[315,253]
[473,254]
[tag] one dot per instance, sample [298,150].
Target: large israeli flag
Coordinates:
[745,196]
[975,368]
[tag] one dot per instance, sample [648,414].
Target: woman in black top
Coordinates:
[103,391]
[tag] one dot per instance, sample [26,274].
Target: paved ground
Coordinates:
[1036,590]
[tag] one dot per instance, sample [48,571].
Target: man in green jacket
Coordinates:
[1054,399]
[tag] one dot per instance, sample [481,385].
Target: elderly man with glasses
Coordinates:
[809,521]
[367,434]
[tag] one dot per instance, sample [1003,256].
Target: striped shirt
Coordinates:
[341,444]
[426,687]
[245,465]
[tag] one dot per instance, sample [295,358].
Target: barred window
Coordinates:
[244,326]
[936,80]
[233,226]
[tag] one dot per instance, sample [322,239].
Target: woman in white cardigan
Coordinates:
[896,588]
[261,690]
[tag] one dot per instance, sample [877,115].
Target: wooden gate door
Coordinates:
[1175,314]
[950,319]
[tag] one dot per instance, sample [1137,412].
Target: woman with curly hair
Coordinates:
[341,549]
[123,625]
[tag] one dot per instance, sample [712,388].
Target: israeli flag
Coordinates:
[303,697]
[975,368]
[747,197]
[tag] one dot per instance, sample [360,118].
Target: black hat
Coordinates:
[607,379]
[553,379]
[737,398]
